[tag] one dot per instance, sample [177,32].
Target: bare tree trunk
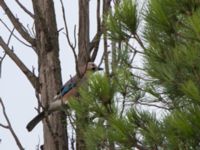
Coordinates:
[55,135]
[83,35]
[83,56]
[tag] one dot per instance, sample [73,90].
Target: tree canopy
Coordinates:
[117,107]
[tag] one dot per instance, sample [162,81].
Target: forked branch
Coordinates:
[32,78]
[25,9]
[72,46]
[2,58]
[15,21]
[9,126]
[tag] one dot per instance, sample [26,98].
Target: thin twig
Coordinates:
[102,58]
[153,105]
[134,49]
[11,34]
[75,36]
[14,34]
[73,47]
[9,126]
[136,36]
[123,106]
[32,78]
[4,126]
[17,24]
[138,68]
[71,120]
[2,58]
[24,8]
[72,141]
[1,61]
[38,145]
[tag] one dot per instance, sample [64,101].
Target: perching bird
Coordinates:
[69,89]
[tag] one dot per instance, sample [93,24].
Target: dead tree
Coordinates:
[46,46]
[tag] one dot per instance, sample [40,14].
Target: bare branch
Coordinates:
[72,142]
[106,7]
[4,126]
[66,28]
[71,119]
[24,8]
[123,107]
[133,49]
[32,78]
[94,44]
[19,27]
[136,36]
[1,61]
[138,68]
[133,57]
[2,58]
[102,58]
[105,43]
[9,127]
[153,105]
[73,47]
[14,34]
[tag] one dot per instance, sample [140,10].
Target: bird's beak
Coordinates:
[99,68]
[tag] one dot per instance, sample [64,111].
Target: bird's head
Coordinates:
[91,66]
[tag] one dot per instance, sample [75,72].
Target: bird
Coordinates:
[69,89]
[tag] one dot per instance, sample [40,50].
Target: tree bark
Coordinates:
[83,34]
[55,135]
[83,57]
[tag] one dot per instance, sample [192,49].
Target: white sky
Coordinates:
[15,90]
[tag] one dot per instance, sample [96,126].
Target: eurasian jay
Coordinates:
[69,89]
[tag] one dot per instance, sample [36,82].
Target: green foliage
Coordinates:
[181,128]
[108,110]
[124,22]
[123,133]
[95,135]
[173,53]
[173,60]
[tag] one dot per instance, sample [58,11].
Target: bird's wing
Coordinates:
[65,89]
[68,86]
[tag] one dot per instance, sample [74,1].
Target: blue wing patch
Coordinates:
[65,89]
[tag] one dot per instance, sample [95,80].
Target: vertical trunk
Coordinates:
[83,34]
[83,57]
[55,135]
[106,7]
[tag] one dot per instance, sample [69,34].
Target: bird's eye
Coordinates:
[93,68]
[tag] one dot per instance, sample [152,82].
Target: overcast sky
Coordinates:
[15,90]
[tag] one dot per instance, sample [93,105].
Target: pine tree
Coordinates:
[111,108]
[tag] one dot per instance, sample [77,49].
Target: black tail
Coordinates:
[35,121]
